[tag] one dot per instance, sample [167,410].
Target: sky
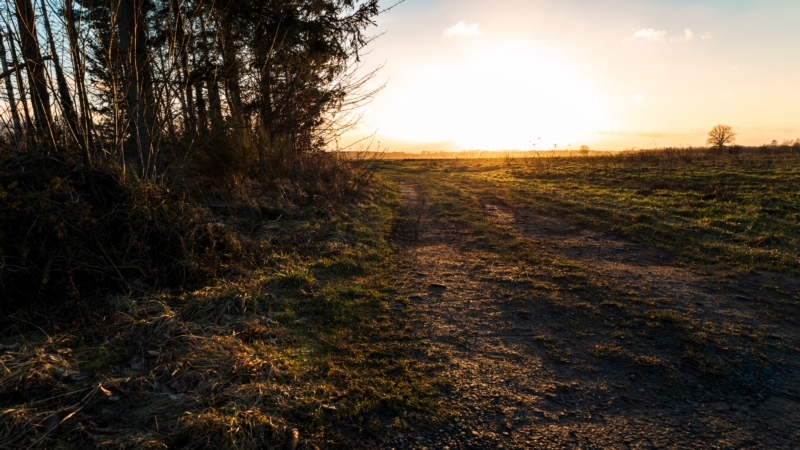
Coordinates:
[609,74]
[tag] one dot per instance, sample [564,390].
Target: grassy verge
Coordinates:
[314,341]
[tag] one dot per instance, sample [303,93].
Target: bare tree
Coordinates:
[141,103]
[10,93]
[34,65]
[64,95]
[18,74]
[720,136]
[86,139]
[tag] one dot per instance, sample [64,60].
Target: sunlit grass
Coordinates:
[712,210]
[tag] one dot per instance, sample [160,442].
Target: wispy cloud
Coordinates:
[462,29]
[687,36]
[651,34]
[707,36]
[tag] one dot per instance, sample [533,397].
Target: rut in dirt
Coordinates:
[588,347]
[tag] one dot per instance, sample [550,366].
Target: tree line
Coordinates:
[146,85]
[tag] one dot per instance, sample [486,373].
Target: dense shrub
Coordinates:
[69,237]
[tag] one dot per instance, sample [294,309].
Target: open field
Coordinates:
[647,300]
[644,302]
[727,211]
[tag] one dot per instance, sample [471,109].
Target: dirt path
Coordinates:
[677,361]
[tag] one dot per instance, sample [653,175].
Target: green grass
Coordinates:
[619,324]
[713,211]
[315,339]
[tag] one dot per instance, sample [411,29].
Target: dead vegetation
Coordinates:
[205,322]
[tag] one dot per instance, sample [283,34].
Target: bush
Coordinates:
[231,163]
[69,237]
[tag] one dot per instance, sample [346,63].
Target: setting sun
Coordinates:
[525,75]
[496,95]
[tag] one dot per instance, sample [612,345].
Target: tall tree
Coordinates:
[20,83]
[64,95]
[131,22]
[86,129]
[182,44]
[34,64]
[10,93]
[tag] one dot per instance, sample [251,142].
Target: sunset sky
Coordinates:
[611,74]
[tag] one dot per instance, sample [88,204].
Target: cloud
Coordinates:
[651,34]
[462,29]
[707,36]
[638,98]
[687,36]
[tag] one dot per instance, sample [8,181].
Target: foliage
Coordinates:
[70,237]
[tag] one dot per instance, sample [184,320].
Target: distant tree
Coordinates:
[720,136]
[584,150]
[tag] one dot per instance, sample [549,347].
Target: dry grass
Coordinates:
[299,343]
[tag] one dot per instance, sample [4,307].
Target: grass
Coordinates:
[315,340]
[708,210]
[714,211]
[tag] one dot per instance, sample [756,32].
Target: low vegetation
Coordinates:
[723,215]
[306,335]
[714,210]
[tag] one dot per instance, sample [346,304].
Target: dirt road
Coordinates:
[602,343]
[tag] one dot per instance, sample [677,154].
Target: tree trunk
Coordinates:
[202,114]
[20,82]
[133,45]
[65,98]
[231,72]
[188,94]
[35,66]
[87,126]
[12,102]
[215,102]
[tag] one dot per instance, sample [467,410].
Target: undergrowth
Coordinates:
[312,340]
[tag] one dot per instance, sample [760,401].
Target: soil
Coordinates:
[534,362]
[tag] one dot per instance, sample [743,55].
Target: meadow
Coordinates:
[713,209]
[634,299]
[595,299]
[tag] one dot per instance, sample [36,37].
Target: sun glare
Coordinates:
[510,95]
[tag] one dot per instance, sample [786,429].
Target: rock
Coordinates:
[437,287]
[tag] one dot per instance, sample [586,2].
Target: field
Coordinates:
[642,300]
[647,299]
